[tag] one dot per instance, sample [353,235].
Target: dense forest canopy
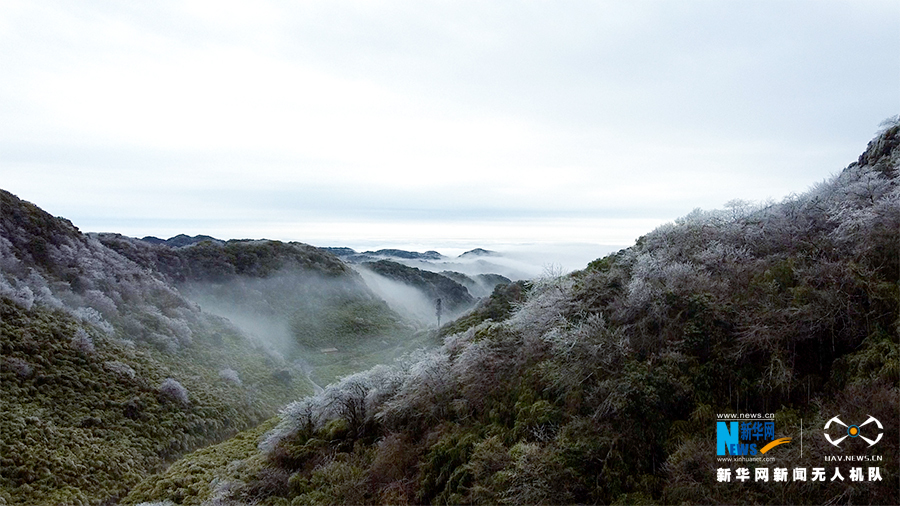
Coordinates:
[599,386]
[604,385]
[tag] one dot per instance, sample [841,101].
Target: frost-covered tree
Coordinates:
[172,389]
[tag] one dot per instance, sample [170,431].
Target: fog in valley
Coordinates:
[515,261]
[283,310]
[280,309]
[267,328]
[408,301]
[602,252]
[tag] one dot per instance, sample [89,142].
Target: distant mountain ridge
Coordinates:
[352,256]
[479,285]
[180,240]
[187,259]
[478,252]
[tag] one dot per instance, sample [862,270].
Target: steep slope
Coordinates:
[496,307]
[455,297]
[107,371]
[603,386]
[298,299]
[479,285]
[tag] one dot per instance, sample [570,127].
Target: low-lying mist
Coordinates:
[267,328]
[291,309]
[519,261]
[408,301]
[316,320]
[327,326]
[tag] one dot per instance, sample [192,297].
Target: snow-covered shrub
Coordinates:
[82,342]
[99,301]
[22,295]
[18,366]
[231,376]
[120,368]
[163,342]
[424,392]
[357,398]
[44,296]
[174,390]
[304,415]
[93,317]
[181,330]
[484,366]
[384,382]
[347,400]
[549,302]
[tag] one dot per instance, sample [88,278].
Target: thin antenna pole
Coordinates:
[437,311]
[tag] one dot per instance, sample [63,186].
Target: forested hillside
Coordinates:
[295,298]
[109,372]
[434,286]
[604,386]
[220,261]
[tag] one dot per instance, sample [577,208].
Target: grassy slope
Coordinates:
[88,339]
[193,479]
[78,428]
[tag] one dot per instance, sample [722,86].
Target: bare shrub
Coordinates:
[394,460]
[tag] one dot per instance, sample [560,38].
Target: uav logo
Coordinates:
[854,431]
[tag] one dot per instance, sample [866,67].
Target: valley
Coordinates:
[195,370]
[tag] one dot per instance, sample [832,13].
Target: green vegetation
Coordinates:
[300,314]
[455,296]
[217,261]
[108,373]
[82,425]
[296,298]
[192,480]
[496,307]
[603,386]
[342,324]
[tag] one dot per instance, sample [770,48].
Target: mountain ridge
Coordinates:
[603,386]
[108,371]
[791,308]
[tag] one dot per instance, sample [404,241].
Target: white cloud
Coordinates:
[278,113]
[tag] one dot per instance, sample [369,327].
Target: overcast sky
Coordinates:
[432,124]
